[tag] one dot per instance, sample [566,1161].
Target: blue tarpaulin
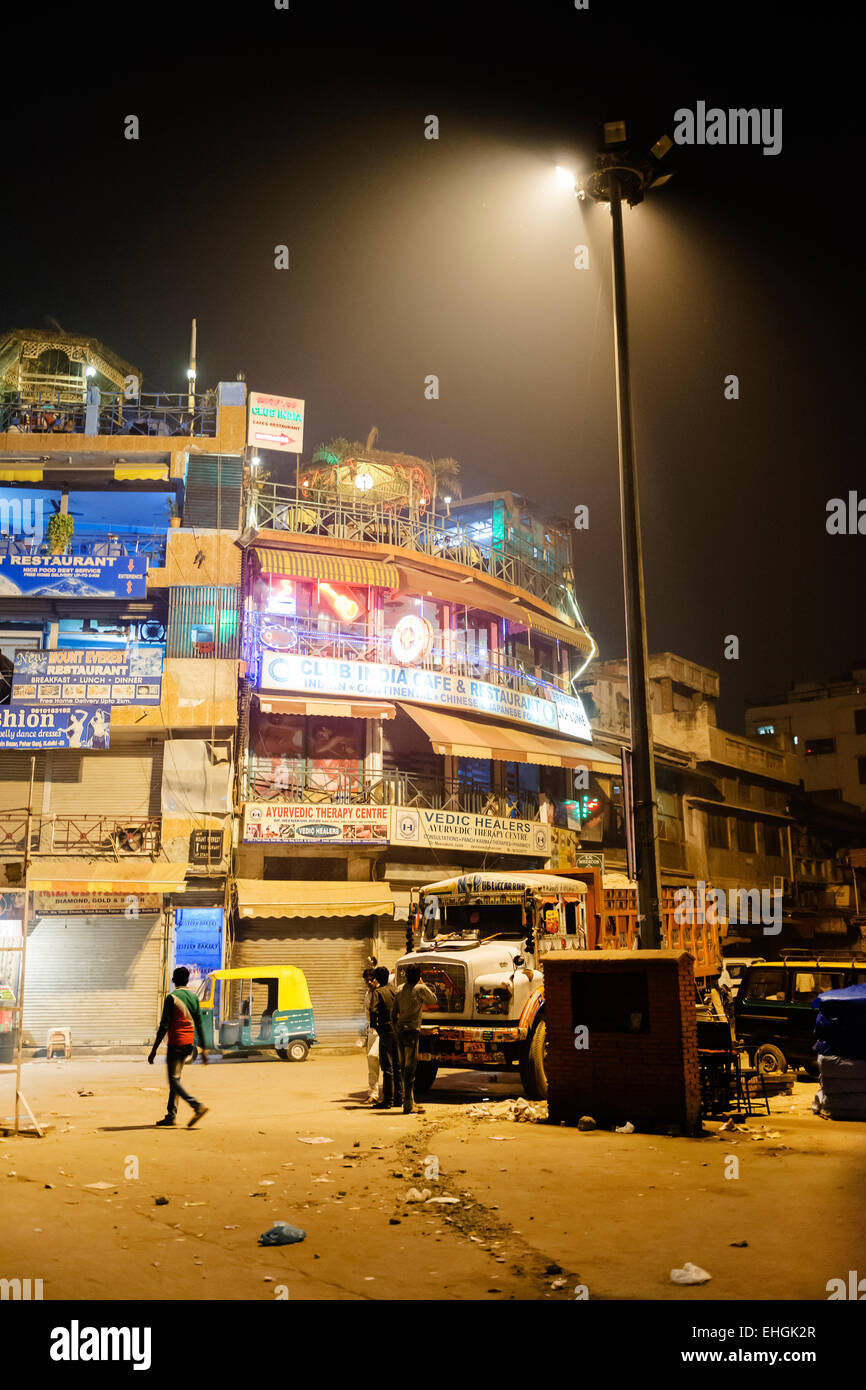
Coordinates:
[840,1025]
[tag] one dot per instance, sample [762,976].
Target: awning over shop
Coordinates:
[336,709]
[560,632]
[141,472]
[67,876]
[312,898]
[339,569]
[457,737]
[20,475]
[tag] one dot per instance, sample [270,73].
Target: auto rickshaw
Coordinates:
[250,1010]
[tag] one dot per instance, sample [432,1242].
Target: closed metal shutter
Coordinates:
[15,781]
[213,492]
[112,783]
[392,944]
[100,976]
[331,951]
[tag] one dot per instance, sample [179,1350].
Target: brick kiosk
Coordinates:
[639,1056]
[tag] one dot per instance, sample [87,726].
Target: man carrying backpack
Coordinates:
[181,1020]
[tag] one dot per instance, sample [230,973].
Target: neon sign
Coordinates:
[344,604]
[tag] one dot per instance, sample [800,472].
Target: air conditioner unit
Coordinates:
[780,884]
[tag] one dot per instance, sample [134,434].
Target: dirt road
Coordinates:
[541,1209]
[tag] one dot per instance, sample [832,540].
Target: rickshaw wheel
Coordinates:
[295,1052]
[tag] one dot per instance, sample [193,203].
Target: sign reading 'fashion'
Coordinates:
[324,676]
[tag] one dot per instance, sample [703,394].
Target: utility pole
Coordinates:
[619,175]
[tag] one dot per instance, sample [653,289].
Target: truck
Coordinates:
[481,939]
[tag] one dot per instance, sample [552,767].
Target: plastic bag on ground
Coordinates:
[690,1274]
[281,1233]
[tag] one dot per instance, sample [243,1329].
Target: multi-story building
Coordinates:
[826,725]
[408,710]
[731,812]
[119,574]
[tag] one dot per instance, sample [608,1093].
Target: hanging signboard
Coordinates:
[205,847]
[55,726]
[326,676]
[198,943]
[297,823]
[462,830]
[129,676]
[276,422]
[73,576]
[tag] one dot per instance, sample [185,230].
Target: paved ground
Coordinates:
[538,1204]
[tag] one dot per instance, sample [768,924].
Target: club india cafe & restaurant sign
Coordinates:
[324,676]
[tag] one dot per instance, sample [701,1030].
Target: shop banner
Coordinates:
[462,830]
[55,726]
[324,676]
[198,943]
[129,676]
[73,576]
[276,422]
[297,823]
[95,904]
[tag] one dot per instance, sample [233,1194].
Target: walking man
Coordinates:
[181,1020]
[409,1002]
[383,1002]
[371,1038]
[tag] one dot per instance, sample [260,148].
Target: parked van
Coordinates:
[735,966]
[773,1013]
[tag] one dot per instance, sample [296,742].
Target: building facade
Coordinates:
[826,727]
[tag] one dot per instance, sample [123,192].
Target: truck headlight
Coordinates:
[493,1001]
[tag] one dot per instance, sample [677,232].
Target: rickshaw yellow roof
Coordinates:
[258,972]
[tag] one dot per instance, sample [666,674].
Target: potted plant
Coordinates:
[173,511]
[59,532]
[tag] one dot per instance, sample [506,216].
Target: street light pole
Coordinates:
[617,176]
[643,769]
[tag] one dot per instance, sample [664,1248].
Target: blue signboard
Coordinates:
[198,942]
[54,726]
[73,576]
[126,676]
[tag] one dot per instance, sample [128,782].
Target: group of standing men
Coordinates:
[395,1034]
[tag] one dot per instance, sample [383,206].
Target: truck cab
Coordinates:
[480,940]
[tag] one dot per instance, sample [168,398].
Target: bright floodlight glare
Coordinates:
[255,460]
[90,371]
[447,501]
[190,371]
[565,177]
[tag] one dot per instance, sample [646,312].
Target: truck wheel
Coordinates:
[532,1072]
[295,1052]
[425,1075]
[770,1060]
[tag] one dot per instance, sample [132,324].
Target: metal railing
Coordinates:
[54,834]
[155,413]
[99,543]
[387,788]
[275,506]
[345,646]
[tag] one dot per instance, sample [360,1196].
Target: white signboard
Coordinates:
[302,823]
[456,830]
[312,675]
[276,422]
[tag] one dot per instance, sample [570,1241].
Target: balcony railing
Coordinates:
[389,788]
[274,506]
[97,543]
[109,835]
[347,646]
[159,413]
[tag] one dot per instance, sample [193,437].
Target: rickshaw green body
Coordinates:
[283,1024]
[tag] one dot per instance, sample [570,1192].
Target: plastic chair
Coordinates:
[59,1037]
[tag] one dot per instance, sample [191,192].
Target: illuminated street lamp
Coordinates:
[447,501]
[618,175]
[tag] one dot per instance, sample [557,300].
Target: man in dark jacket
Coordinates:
[383,1002]
[181,1020]
[409,1001]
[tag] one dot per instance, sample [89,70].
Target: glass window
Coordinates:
[772,841]
[745,836]
[816,746]
[767,984]
[717,831]
[860,721]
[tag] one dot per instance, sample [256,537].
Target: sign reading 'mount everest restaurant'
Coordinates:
[310,675]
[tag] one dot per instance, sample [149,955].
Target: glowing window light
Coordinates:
[344,605]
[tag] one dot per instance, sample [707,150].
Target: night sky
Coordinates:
[454,257]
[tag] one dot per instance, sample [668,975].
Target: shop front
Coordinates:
[96,951]
[327,929]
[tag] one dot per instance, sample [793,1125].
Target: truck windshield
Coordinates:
[474,921]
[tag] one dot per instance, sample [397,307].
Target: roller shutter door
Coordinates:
[15,781]
[331,951]
[100,976]
[113,783]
